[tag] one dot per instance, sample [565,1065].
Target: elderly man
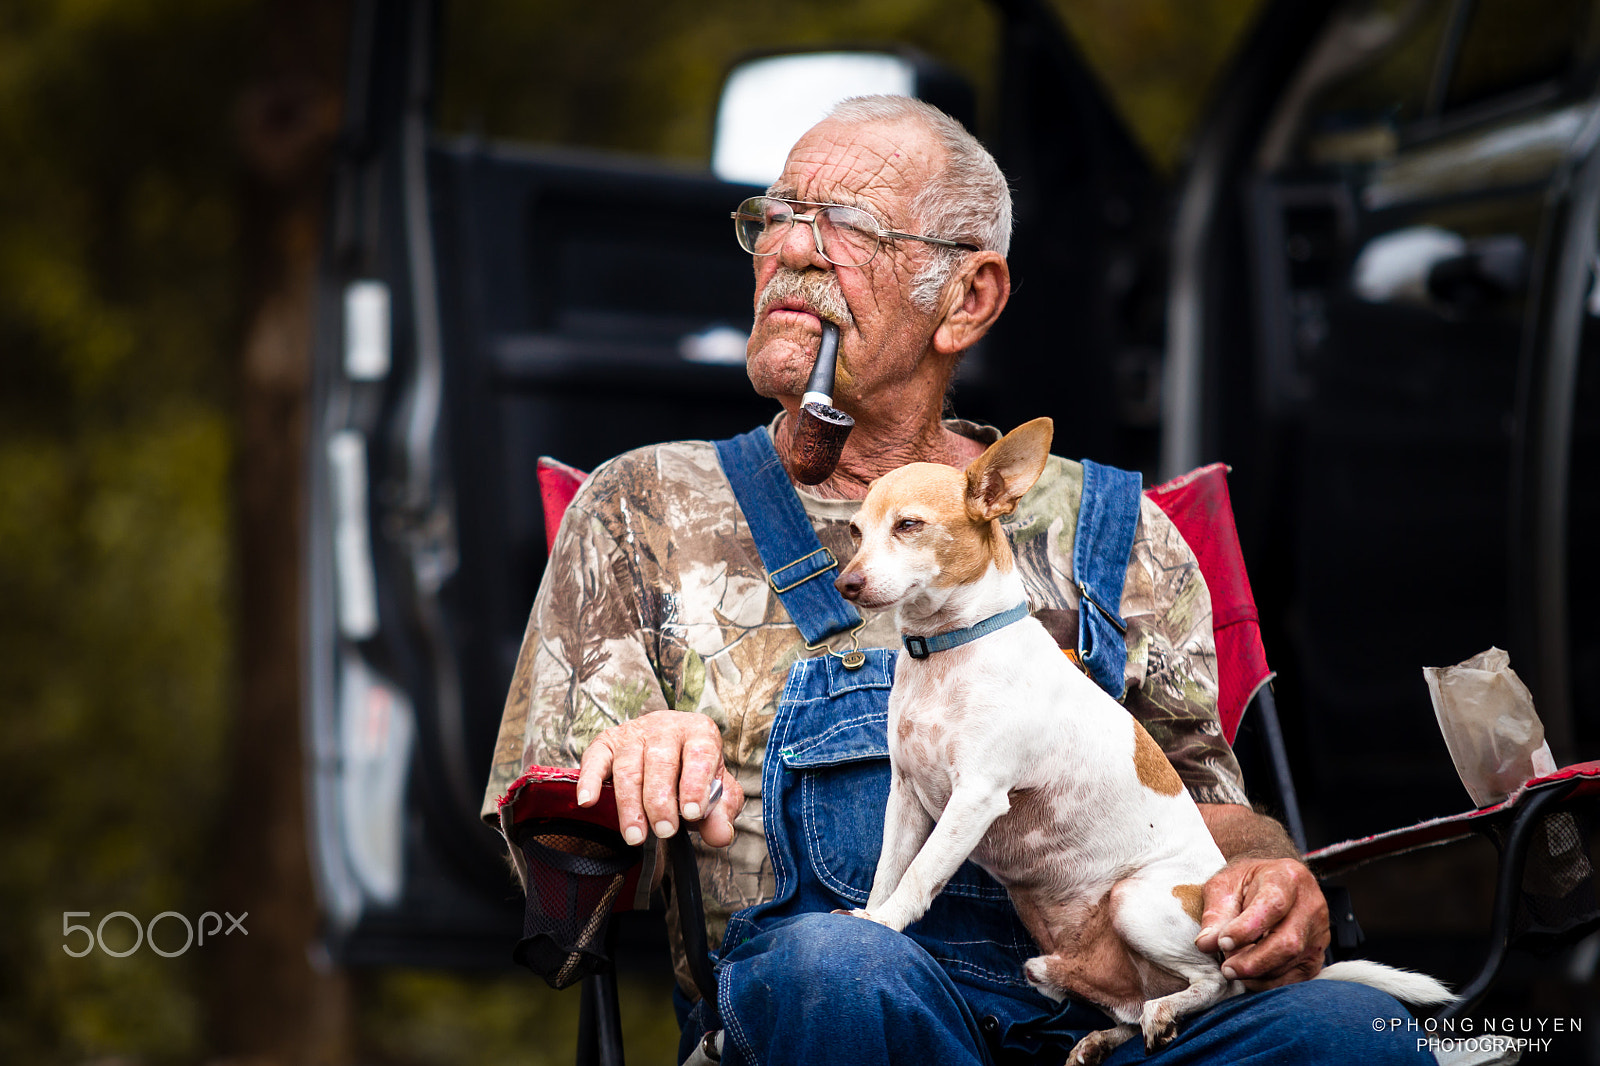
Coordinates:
[660,654]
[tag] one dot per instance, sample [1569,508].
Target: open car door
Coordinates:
[1382,314]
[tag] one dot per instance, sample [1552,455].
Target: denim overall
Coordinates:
[825,780]
[797,983]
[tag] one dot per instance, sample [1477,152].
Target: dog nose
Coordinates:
[850,584]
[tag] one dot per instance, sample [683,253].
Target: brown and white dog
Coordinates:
[1002,750]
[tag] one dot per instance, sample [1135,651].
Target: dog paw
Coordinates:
[1158,1025]
[1093,1048]
[1084,1055]
[860,913]
[1037,971]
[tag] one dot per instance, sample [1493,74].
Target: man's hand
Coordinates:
[1263,911]
[662,765]
[1269,920]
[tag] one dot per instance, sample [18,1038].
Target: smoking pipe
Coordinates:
[820,432]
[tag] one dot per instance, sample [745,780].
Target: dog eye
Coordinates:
[908,525]
[855,531]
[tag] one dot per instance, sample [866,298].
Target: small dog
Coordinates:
[1002,750]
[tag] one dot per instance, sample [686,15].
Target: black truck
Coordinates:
[1372,289]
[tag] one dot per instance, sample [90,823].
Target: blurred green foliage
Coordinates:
[118,297]
[1159,60]
[644,77]
[121,289]
[420,1018]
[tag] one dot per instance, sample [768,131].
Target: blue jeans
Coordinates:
[823,988]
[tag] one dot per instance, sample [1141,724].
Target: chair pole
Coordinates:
[1278,755]
[599,1017]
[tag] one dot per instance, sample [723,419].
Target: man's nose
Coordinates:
[850,583]
[800,248]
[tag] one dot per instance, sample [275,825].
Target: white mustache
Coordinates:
[818,288]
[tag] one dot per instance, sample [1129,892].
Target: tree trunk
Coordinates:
[270,1000]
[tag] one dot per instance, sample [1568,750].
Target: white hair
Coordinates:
[967,199]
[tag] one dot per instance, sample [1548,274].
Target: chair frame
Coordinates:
[1516,819]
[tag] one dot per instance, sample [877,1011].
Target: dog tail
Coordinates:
[1407,986]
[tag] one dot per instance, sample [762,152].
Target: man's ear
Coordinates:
[971,301]
[1000,477]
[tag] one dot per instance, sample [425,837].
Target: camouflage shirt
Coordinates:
[655,597]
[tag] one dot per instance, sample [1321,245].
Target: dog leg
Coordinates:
[1093,1048]
[1161,1016]
[906,827]
[1152,921]
[972,809]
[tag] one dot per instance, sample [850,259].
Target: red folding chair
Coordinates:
[539,807]
[1199,505]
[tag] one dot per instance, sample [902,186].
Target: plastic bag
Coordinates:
[1486,715]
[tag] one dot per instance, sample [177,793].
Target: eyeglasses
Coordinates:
[846,236]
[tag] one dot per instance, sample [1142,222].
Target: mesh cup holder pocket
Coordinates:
[575,873]
[1558,902]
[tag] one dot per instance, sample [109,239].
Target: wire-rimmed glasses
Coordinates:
[845,236]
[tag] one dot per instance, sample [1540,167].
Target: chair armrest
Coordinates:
[576,869]
[1575,782]
[1538,813]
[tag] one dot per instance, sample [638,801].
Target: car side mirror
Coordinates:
[768,101]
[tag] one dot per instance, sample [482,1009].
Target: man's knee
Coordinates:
[820,983]
[816,954]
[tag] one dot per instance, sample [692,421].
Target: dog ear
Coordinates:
[999,477]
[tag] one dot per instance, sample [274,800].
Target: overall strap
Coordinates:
[799,568]
[1100,549]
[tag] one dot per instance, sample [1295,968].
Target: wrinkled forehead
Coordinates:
[877,166]
[934,491]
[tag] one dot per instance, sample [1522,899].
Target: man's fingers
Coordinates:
[1267,956]
[1281,932]
[702,765]
[716,828]
[593,771]
[1268,906]
[1282,958]
[662,766]
[1221,901]
[662,769]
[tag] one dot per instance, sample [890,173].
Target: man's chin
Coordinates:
[779,369]
[780,390]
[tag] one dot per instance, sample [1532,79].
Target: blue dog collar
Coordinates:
[922,647]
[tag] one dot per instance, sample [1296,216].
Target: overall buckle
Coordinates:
[854,659]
